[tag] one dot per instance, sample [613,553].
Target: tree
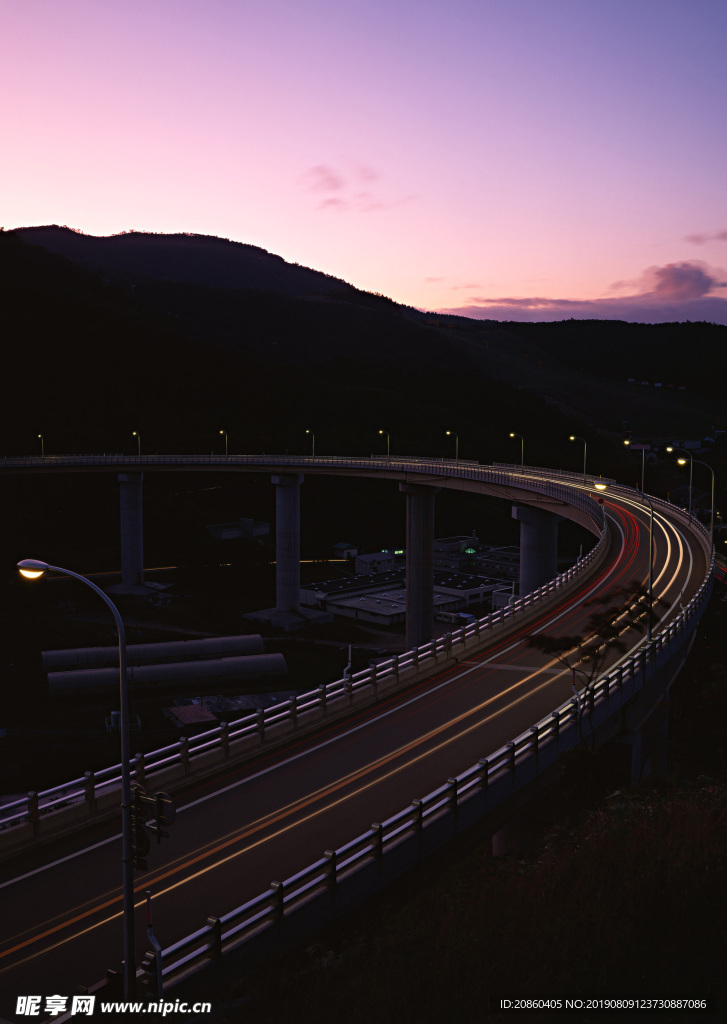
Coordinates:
[614,615]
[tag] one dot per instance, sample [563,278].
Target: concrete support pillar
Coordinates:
[658,738]
[538,546]
[631,761]
[644,750]
[132,529]
[419,563]
[287,541]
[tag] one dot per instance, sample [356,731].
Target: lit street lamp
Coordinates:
[313,442]
[388,442]
[225,433]
[451,433]
[522,450]
[643,462]
[673,448]
[137,435]
[31,568]
[575,437]
[42,446]
[683,462]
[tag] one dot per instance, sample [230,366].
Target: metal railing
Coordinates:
[93,785]
[345,876]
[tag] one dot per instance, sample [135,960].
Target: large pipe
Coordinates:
[147,654]
[228,669]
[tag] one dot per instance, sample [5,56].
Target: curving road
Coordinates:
[61,919]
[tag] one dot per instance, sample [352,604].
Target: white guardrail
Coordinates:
[94,787]
[345,876]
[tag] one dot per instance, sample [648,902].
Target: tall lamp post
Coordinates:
[42,446]
[313,442]
[522,450]
[137,435]
[682,462]
[673,448]
[643,462]
[575,437]
[31,568]
[225,433]
[451,433]
[388,442]
[650,598]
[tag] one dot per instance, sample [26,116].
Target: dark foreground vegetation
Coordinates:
[624,893]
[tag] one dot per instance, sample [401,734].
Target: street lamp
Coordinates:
[451,433]
[683,462]
[388,442]
[522,450]
[225,433]
[643,462]
[137,435]
[31,568]
[673,448]
[313,442]
[42,446]
[575,437]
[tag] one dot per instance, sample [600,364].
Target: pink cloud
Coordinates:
[333,204]
[674,292]
[349,194]
[323,179]
[679,281]
[718,236]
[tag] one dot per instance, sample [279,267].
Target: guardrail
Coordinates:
[93,789]
[251,730]
[535,479]
[95,793]
[344,877]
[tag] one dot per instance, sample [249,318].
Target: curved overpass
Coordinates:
[278,812]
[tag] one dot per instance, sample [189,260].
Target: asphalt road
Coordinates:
[61,920]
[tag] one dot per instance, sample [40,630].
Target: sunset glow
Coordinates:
[511,159]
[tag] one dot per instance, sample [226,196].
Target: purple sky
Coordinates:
[508,159]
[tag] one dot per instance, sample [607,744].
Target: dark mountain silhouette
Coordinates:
[205,314]
[87,360]
[196,259]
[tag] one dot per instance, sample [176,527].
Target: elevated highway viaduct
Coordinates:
[269,816]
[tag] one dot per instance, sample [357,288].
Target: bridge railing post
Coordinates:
[377,843]
[184,753]
[331,872]
[555,716]
[225,739]
[278,907]
[33,813]
[140,769]
[214,938]
[452,798]
[90,791]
